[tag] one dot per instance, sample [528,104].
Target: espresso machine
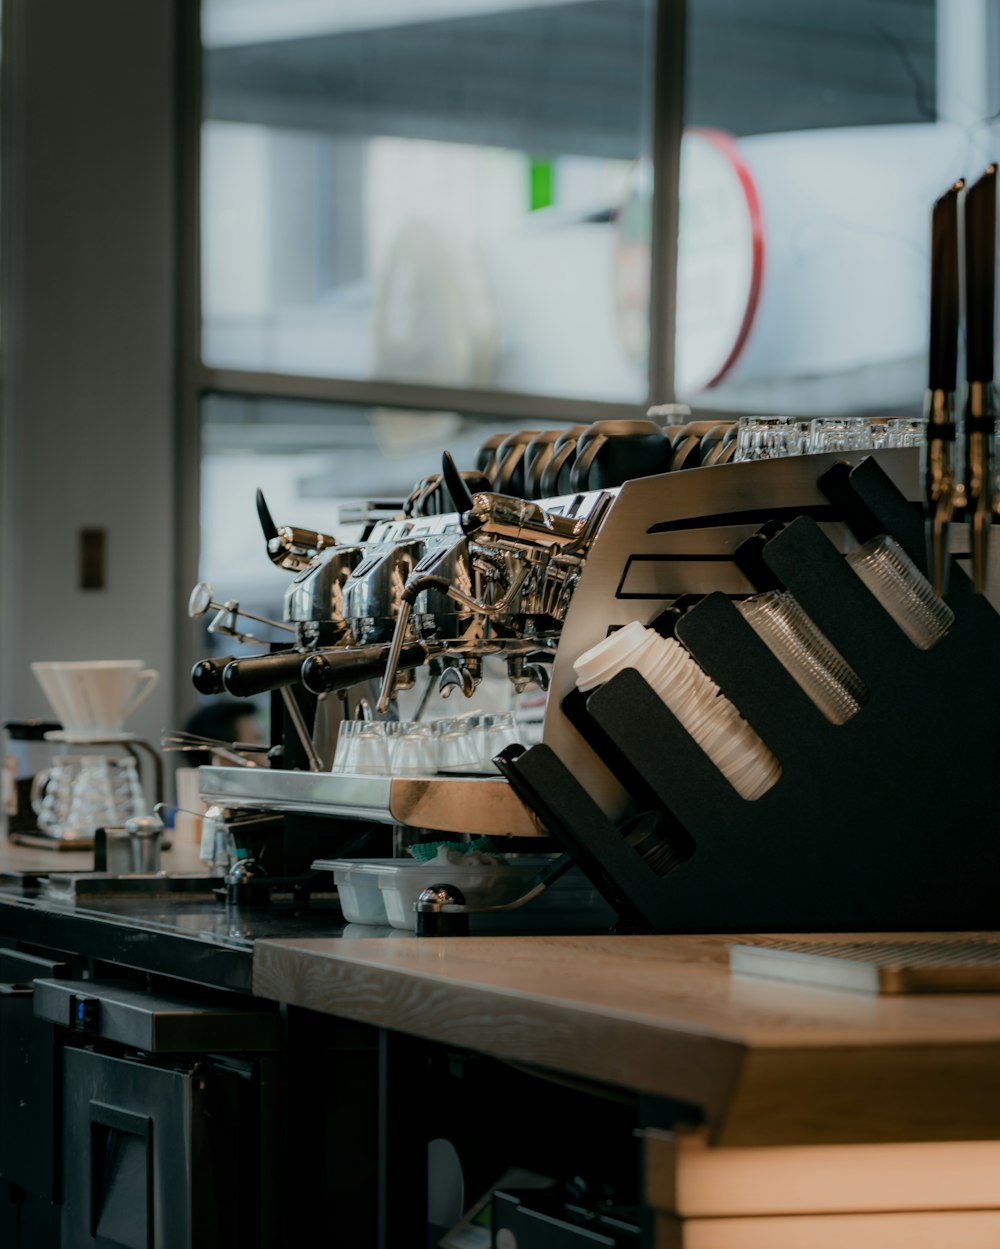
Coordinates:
[554,541]
[535,582]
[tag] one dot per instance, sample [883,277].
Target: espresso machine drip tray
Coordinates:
[485,805]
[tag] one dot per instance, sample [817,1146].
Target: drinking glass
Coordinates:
[904,432]
[770,437]
[903,590]
[851,433]
[412,748]
[457,745]
[496,730]
[806,654]
[361,748]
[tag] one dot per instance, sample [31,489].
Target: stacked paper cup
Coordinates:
[692,696]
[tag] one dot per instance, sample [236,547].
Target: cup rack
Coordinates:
[885,823]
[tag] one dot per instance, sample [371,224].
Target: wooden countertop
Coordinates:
[766,1063]
[181,857]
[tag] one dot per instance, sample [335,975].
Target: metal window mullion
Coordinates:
[409,395]
[187,457]
[668,125]
[12,224]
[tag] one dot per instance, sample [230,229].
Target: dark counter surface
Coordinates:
[189,934]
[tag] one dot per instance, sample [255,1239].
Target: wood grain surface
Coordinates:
[684,1176]
[767,1063]
[962,1229]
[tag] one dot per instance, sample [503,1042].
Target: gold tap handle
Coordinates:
[980,427]
[939,484]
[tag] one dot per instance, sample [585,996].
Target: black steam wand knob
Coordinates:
[461,495]
[264,516]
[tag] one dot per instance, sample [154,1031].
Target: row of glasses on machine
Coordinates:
[460,744]
[773,437]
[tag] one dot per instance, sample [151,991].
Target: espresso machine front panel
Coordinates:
[675,535]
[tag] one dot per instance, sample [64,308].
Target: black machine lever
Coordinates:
[264,516]
[460,493]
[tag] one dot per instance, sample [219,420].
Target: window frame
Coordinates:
[196,380]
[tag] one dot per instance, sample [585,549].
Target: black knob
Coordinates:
[433,920]
[246,884]
[461,496]
[206,675]
[264,516]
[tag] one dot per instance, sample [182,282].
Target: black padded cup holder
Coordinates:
[884,823]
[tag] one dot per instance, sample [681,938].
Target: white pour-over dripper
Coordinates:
[93,698]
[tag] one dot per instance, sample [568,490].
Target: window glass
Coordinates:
[319,465]
[426,191]
[817,138]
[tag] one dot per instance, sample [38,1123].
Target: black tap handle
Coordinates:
[256,674]
[943,355]
[980,263]
[264,516]
[206,675]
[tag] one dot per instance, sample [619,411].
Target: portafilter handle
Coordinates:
[206,675]
[259,674]
[341,667]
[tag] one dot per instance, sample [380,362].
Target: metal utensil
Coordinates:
[233,751]
[201,601]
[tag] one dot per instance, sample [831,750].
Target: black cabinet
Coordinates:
[133,1119]
[166,1154]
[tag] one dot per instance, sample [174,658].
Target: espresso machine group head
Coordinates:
[511,571]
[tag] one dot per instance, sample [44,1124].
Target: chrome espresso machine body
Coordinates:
[440,592]
[536,582]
